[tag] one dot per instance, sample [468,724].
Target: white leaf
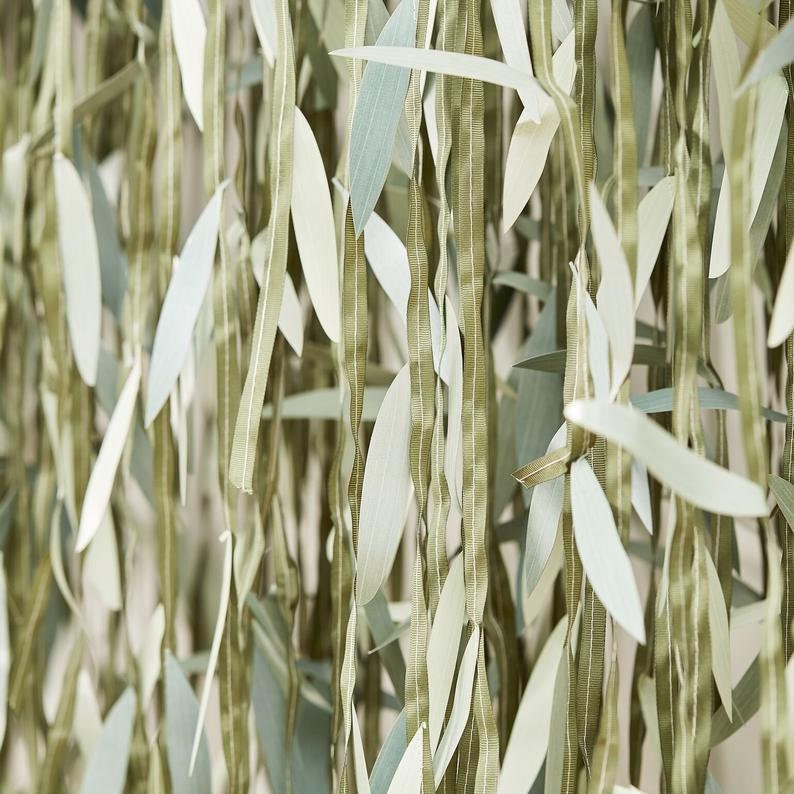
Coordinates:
[79,252]
[264,16]
[408,775]
[100,483]
[87,721]
[698,480]
[529,737]
[106,771]
[782,322]
[387,489]
[461,706]
[190,35]
[182,304]
[360,761]
[641,494]
[603,557]
[459,64]
[290,317]
[442,649]
[313,221]
[531,139]
[653,217]
[615,298]
[215,647]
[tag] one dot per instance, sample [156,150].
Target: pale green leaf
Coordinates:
[387,489]
[653,217]
[190,35]
[378,110]
[604,559]
[182,305]
[79,253]
[103,475]
[696,479]
[783,491]
[408,775]
[106,771]
[782,323]
[101,564]
[720,638]
[313,222]
[778,52]
[150,654]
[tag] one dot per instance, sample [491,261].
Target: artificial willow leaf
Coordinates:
[523,283]
[769,110]
[698,480]
[313,222]
[531,140]
[542,521]
[783,491]
[604,559]
[442,648]
[325,404]
[408,775]
[661,400]
[641,494]
[181,716]
[782,322]
[5,650]
[379,106]
[87,721]
[653,217]
[212,661]
[290,318]
[597,345]
[615,298]
[264,17]
[190,35]
[106,772]
[391,752]
[101,564]
[457,64]
[511,29]
[149,655]
[387,489]
[80,266]
[530,734]
[778,53]
[720,638]
[103,475]
[362,781]
[461,705]
[182,304]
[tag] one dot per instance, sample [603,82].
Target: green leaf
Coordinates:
[106,771]
[778,52]
[696,479]
[313,222]
[391,752]
[182,305]
[523,283]
[379,107]
[783,491]
[181,715]
[408,775]
[661,400]
[604,559]
[387,489]
[103,475]
[79,253]
[782,323]
[720,638]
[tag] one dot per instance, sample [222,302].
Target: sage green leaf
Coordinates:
[777,53]
[615,298]
[523,283]
[458,64]
[782,323]
[181,715]
[698,480]
[442,648]
[103,475]
[720,638]
[378,110]
[408,775]
[101,565]
[461,707]
[661,400]
[326,404]
[362,781]
[264,16]
[387,489]
[531,139]
[149,656]
[389,757]
[313,222]
[641,494]
[79,253]
[511,29]
[783,491]
[529,737]
[557,730]
[653,217]
[106,772]
[182,304]
[190,35]
[604,559]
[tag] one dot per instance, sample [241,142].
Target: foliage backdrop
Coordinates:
[364,421]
